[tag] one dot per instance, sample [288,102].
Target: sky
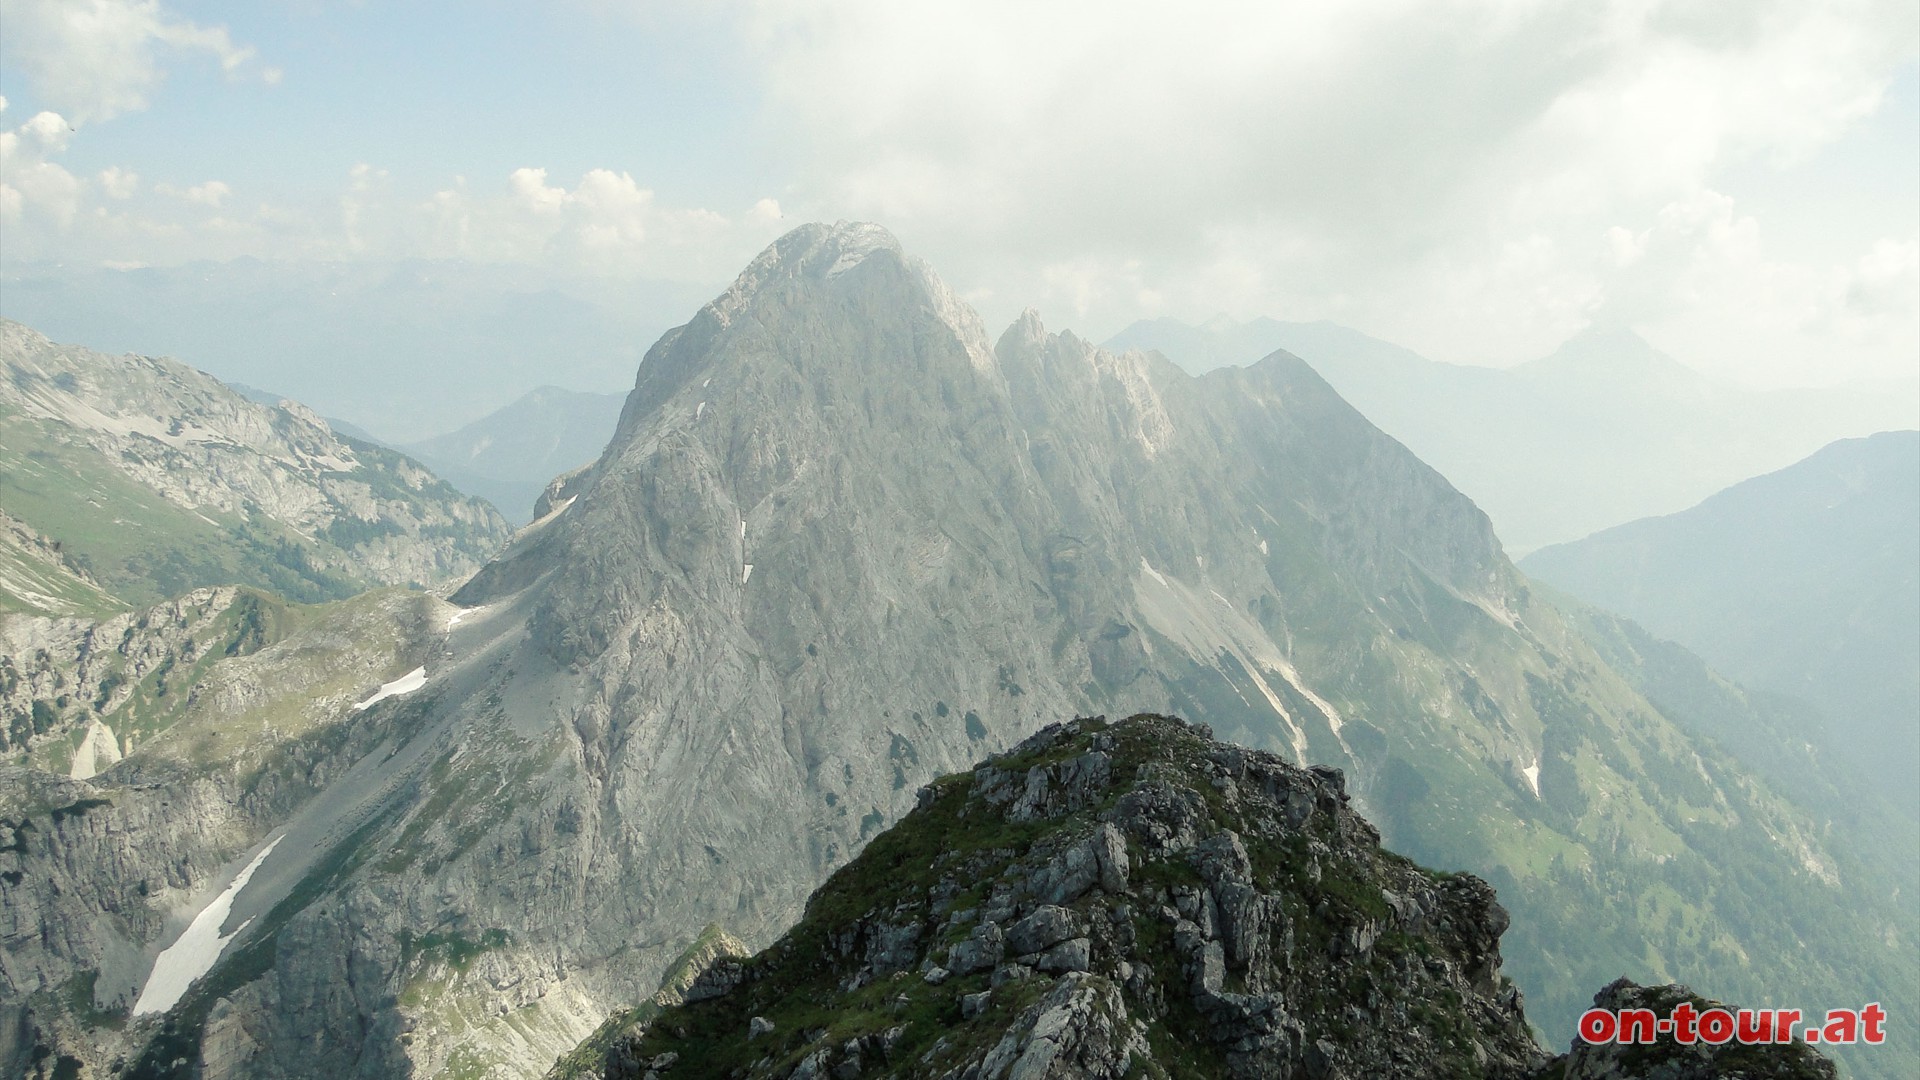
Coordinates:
[1738,180]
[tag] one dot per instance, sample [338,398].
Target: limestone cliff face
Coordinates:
[843,544]
[99,874]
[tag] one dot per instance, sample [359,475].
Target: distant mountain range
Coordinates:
[510,455]
[127,480]
[403,349]
[1805,581]
[1605,430]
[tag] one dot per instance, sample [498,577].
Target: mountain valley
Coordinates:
[1803,582]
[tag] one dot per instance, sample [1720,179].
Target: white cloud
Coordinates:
[211,193]
[95,59]
[766,210]
[607,222]
[1473,177]
[32,187]
[118,183]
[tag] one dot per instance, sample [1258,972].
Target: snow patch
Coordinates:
[98,749]
[1203,631]
[454,619]
[1263,547]
[405,684]
[1532,773]
[198,948]
[746,573]
[698,409]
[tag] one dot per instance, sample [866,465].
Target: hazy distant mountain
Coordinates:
[150,478]
[1605,430]
[1805,581]
[842,542]
[508,456]
[402,349]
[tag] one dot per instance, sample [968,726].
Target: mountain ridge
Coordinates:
[1604,429]
[156,478]
[790,590]
[1801,582]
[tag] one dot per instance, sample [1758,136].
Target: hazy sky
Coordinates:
[1738,179]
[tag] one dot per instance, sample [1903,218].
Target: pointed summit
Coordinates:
[1611,352]
[822,250]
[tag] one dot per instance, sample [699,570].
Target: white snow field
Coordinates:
[405,684]
[198,947]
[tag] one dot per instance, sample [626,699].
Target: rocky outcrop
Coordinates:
[120,680]
[218,488]
[703,971]
[1188,908]
[1670,1059]
[1121,900]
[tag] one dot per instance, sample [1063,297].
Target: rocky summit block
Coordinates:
[1666,1059]
[1115,900]
[1128,900]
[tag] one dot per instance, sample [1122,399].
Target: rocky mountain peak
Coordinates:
[1109,900]
[1609,353]
[852,276]
[1132,900]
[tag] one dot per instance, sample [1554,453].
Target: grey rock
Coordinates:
[1073,955]
[1110,850]
[717,980]
[1222,859]
[1247,921]
[981,950]
[892,946]
[1047,926]
[1069,874]
[1079,1030]
[759,1026]
[1007,973]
